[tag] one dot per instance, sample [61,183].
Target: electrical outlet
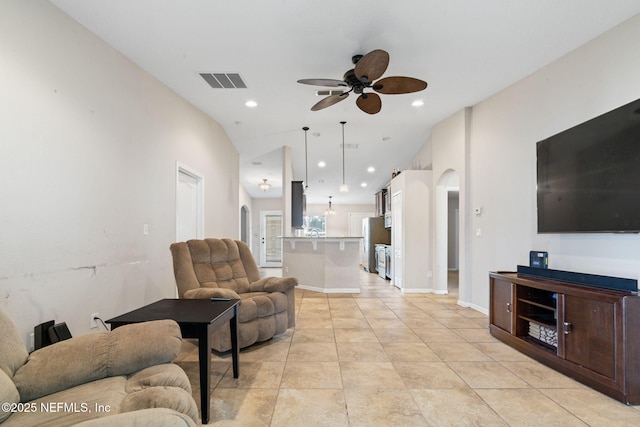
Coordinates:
[94,322]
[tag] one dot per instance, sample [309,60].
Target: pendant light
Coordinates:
[306,161]
[264,185]
[329,210]
[343,188]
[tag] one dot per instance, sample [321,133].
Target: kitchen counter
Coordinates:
[314,240]
[323,264]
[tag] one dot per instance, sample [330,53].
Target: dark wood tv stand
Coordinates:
[597,331]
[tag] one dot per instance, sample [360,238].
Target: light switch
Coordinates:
[145,229]
[478,232]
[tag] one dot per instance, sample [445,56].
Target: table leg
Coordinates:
[204,360]
[235,351]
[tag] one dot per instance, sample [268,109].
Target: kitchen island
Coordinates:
[323,264]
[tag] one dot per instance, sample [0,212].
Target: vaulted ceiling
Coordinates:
[466,50]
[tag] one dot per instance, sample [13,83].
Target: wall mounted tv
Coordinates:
[589,176]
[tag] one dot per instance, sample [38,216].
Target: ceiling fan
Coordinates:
[367,69]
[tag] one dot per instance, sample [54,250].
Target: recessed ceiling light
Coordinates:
[371,169]
[418,103]
[251,103]
[364,184]
[321,164]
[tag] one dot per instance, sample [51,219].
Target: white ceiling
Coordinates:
[466,50]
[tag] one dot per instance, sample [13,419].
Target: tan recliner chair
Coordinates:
[225,268]
[119,378]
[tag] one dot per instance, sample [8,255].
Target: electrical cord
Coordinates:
[103,324]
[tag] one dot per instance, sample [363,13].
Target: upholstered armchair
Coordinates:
[225,268]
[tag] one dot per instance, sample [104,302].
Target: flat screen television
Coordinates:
[589,176]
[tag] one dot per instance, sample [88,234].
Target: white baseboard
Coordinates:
[330,290]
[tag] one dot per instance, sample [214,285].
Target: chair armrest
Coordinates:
[90,357]
[274,284]
[151,417]
[206,293]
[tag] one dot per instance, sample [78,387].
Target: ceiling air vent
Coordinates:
[224,80]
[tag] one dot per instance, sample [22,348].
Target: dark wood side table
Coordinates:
[197,319]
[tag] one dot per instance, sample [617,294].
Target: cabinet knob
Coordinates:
[508,307]
[567,327]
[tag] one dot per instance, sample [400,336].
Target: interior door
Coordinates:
[270,238]
[189,216]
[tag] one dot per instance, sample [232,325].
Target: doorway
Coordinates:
[189,204]
[245,224]
[448,233]
[270,238]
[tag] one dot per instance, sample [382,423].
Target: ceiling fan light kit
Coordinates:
[367,68]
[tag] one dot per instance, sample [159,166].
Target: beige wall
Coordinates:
[495,147]
[338,224]
[88,155]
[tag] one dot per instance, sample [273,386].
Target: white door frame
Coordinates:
[263,244]
[181,168]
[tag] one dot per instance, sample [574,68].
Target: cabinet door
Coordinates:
[590,334]
[501,298]
[380,202]
[397,240]
[298,204]
[387,199]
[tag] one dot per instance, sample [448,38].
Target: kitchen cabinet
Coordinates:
[381,197]
[298,204]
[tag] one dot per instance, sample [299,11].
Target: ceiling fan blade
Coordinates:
[370,103]
[398,85]
[323,82]
[329,101]
[372,66]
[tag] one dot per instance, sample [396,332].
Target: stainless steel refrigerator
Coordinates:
[373,232]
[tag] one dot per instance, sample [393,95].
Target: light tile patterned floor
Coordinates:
[381,358]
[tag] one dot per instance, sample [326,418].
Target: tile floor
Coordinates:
[381,358]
